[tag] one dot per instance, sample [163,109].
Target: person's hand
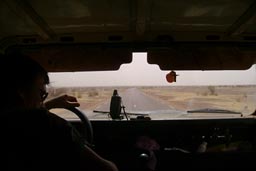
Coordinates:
[63,101]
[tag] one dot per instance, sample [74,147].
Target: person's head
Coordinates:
[24,82]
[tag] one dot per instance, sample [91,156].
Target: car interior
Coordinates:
[178,37]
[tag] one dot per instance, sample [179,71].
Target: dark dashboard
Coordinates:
[201,143]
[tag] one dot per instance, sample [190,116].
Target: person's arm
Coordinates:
[75,146]
[96,162]
[88,156]
[63,101]
[91,160]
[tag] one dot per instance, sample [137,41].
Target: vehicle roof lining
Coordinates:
[50,31]
[174,56]
[203,57]
[233,17]
[72,58]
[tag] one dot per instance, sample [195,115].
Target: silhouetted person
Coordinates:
[35,138]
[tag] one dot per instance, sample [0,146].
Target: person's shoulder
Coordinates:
[55,119]
[24,114]
[38,116]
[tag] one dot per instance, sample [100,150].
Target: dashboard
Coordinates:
[202,143]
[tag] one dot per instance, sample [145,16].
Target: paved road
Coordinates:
[135,100]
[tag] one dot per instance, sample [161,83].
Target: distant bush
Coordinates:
[245,96]
[93,93]
[212,90]
[204,94]
[79,95]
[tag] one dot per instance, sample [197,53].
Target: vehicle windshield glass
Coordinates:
[145,91]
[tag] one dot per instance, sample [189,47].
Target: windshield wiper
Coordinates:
[212,110]
[128,113]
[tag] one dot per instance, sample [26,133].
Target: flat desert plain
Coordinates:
[183,98]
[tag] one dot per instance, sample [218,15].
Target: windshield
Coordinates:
[145,91]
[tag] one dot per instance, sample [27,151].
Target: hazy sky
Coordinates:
[139,72]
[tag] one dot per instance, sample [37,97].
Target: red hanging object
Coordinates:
[171,76]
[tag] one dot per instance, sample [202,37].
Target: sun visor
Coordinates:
[203,57]
[78,57]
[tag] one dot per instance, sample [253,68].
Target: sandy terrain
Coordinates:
[181,98]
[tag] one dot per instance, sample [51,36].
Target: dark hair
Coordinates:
[19,72]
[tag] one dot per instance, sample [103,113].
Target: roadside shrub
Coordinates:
[212,90]
[93,93]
